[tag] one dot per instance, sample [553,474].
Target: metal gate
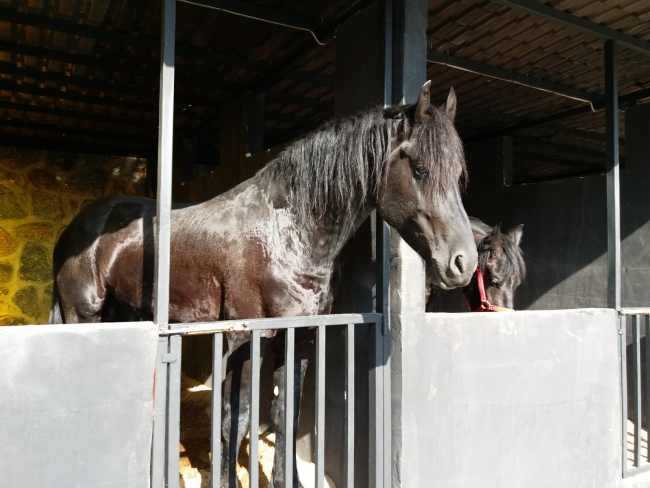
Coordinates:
[165,455]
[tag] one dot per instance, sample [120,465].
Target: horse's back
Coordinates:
[103,216]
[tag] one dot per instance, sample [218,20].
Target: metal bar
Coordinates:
[623,101]
[309,77]
[636,375]
[77,97]
[543,143]
[634,311]
[633,472]
[74,114]
[215,436]
[622,334]
[613,179]
[148,43]
[160,417]
[511,76]
[305,102]
[254,405]
[319,465]
[263,14]
[273,323]
[165,150]
[98,85]
[521,123]
[647,380]
[560,161]
[128,39]
[524,180]
[384,327]
[12,140]
[566,19]
[380,434]
[349,405]
[289,358]
[78,131]
[174,412]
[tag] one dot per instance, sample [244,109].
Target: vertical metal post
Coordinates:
[160,416]
[349,395]
[174,412]
[254,405]
[165,148]
[319,465]
[215,437]
[160,463]
[613,187]
[647,378]
[622,321]
[636,375]
[380,396]
[289,359]
[382,369]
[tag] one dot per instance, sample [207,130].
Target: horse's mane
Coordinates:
[514,262]
[328,168]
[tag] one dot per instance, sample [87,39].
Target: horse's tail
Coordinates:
[56,317]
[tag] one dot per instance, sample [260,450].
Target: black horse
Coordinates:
[267,247]
[501,269]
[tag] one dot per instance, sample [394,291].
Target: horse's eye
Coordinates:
[495,283]
[421,171]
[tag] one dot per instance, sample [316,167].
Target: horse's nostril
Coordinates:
[459,262]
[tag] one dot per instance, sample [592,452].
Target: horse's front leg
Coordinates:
[236,406]
[277,411]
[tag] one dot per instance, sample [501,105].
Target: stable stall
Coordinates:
[552,111]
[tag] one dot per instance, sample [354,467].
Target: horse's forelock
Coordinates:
[512,264]
[441,150]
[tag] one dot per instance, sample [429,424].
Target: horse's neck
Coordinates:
[325,234]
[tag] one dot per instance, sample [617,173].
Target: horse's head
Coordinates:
[502,266]
[420,191]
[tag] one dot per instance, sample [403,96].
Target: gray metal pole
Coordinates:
[165,151]
[613,179]
[160,462]
[380,370]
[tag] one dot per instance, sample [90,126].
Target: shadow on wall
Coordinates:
[40,193]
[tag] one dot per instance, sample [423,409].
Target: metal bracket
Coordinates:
[169,358]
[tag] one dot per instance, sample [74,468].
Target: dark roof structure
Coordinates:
[83,74]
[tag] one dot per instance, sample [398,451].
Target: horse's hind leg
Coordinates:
[82,299]
[235,406]
[277,412]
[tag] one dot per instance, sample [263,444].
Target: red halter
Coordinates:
[485,305]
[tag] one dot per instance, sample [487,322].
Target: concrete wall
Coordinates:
[504,399]
[565,224]
[76,405]
[527,399]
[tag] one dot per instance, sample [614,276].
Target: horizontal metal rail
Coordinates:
[272,323]
[634,311]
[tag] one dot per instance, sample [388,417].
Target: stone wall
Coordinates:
[40,193]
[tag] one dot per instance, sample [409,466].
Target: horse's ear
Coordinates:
[496,243]
[423,104]
[449,107]
[516,233]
